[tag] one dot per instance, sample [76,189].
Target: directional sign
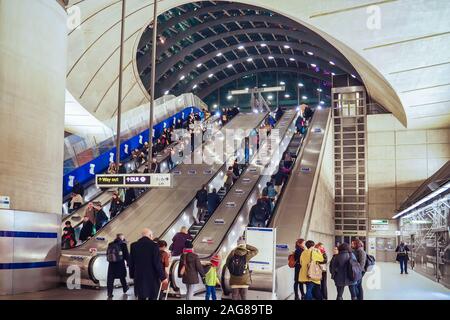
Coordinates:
[134,180]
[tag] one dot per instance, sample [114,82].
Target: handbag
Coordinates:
[314,270]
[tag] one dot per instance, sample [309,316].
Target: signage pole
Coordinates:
[152,84]
[119,98]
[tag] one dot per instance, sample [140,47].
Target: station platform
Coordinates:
[387,284]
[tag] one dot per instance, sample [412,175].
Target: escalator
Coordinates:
[158,208]
[104,196]
[220,233]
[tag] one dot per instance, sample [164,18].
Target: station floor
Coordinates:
[386,283]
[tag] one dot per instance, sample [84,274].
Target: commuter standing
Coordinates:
[211,278]
[75,202]
[202,204]
[78,188]
[402,257]
[237,264]
[213,201]
[100,216]
[299,247]
[68,238]
[323,266]
[116,205]
[339,269]
[259,213]
[230,177]
[154,168]
[145,267]
[179,240]
[308,273]
[87,230]
[190,268]
[165,261]
[90,212]
[117,255]
[361,256]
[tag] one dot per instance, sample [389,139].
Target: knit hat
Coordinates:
[188,244]
[215,260]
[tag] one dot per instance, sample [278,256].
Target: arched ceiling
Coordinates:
[405,63]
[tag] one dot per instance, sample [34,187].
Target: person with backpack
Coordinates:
[259,213]
[145,267]
[189,269]
[402,257]
[271,193]
[117,255]
[202,204]
[211,278]
[323,266]
[294,262]
[310,271]
[361,255]
[237,263]
[68,238]
[340,266]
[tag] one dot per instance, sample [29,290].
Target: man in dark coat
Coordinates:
[145,267]
[118,270]
[202,202]
[259,213]
[213,201]
[78,188]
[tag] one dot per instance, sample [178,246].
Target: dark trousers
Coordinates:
[403,265]
[323,286]
[239,293]
[359,292]
[298,285]
[110,284]
[340,292]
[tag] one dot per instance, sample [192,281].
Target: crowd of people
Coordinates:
[347,267]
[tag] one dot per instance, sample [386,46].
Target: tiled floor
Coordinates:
[385,283]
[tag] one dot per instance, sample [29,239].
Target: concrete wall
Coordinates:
[321,228]
[399,160]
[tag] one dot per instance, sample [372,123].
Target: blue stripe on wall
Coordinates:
[26,234]
[27,265]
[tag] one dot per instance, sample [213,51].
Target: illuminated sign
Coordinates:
[134,180]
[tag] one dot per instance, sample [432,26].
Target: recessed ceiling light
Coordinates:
[287,95]
[291,59]
[300,84]
[318,89]
[353,76]
[166,92]
[229,66]
[282,83]
[332,63]
[263,45]
[241,47]
[310,53]
[249,60]
[333,74]
[229,97]
[270,97]
[215,106]
[271,58]
[210,75]
[199,65]
[182,77]
[219,54]
[322,102]
[264,85]
[304,97]
[286,46]
[313,65]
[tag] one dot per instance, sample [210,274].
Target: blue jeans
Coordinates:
[311,291]
[210,292]
[403,265]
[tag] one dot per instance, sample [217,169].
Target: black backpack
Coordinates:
[237,265]
[114,252]
[354,270]
[370,262]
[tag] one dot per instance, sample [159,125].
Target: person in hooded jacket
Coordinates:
[190,268]
[259,213]
[339,271]
[118,269]
[299,247]
[240,283]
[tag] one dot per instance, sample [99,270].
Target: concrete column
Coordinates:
[33,45]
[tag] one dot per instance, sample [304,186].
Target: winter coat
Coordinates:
[86,230]
[100,219]
[361,257]
[202,198]
[118,270]
[213,201]
[402,253]
[308,255]
[297,255]
[115,208]
[78,189]
[178,242]
[90,213]
[130,196]
[146,268]
[339,269]
[259,213]
[192,268]
[279,178]
[211,277]
[249,252]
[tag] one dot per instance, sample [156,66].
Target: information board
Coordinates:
[264,239]
[160,180]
